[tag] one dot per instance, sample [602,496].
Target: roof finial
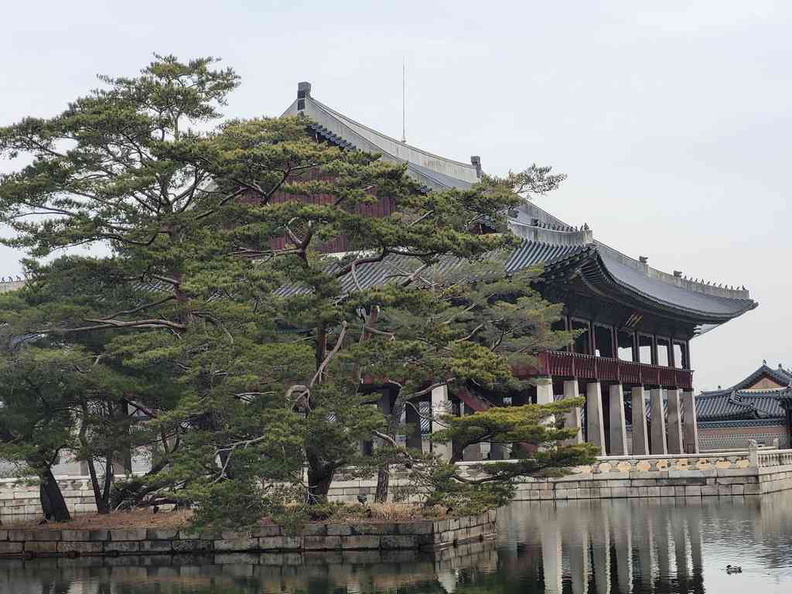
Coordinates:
[475,160]
[303,91]
[764,361]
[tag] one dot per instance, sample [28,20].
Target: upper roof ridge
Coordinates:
[437,171]
[349,120]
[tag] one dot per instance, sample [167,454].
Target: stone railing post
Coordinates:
[753,453]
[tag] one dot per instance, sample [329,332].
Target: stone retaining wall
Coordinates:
[429,535]
[668,483]
[751,471]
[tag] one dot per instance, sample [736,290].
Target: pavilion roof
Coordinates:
[547,240]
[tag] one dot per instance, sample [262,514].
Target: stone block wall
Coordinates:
[775,479]
[431,535]
[669,483]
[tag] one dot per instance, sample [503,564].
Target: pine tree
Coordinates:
[215,284]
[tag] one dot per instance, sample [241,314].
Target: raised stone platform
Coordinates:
[749,472]
[425,535]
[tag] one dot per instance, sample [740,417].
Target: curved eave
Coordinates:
[594,272]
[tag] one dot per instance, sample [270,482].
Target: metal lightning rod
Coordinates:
[404,103]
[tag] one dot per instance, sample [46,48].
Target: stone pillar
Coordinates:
[573,417]
[674,422]
[544,390]
[385,404]
[595,424]
[440,406]
[640,438]
[658,422]
[544,395]
[618,426]
[689,426]
[499,451]
[413,421]
[472,453]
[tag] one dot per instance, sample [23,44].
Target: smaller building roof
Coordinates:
[727,405]
[781,376]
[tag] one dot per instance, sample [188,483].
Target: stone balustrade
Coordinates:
[770,459]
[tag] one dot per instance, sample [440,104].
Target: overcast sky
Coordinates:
[672,119]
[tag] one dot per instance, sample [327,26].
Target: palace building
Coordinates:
[755,408]
[632,359]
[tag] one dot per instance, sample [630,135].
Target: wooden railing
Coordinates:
[575,365]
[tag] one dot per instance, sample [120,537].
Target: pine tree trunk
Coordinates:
[383,484]
[101,506]
[52,501]
[319,480]
[383,474]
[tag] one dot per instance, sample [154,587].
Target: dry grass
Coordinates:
[391,512]
[140,518]
[372,513]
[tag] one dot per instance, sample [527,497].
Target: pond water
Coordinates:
[663,545]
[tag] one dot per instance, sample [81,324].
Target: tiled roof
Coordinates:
[398,268]
[741,405]
[704,304]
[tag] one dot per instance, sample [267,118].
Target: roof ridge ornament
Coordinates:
[475,160]
[303,92]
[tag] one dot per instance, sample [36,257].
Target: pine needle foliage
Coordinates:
[211,292]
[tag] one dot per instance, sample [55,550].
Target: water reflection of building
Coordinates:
[613,546]
[593,547]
